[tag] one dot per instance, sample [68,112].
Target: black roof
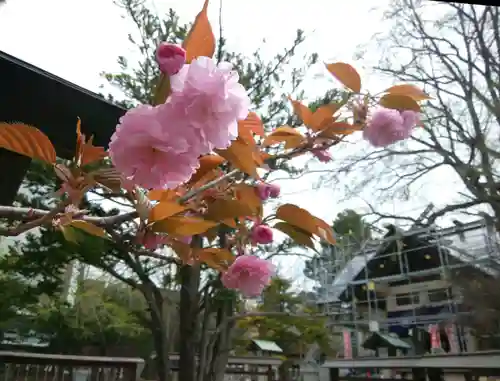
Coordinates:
[52,104]
[422,253]
[34,96]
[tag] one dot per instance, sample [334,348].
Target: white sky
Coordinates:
[77,40]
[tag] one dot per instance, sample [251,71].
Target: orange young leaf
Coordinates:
[282,134]
[28,141]
[183,226]
[338,128]
[231,222]
[221,209]
[323,116]
[251,125]
[207,164]
[346,74]
[91,153]
[165,209]
[399,102]
[302,111]
[278,139]
[183,250]
[86,152]
[297,217]
[162,194]
[325,231]
[294,141]
[248,195]
[240,155]
[257,157]
[89,228]
[409,90]
[219,259]
[200,40]
[214,174]
[298,235]
[285,131]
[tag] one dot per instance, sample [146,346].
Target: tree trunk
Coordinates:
[218,354]
[188,321]
[221,355]
[155,302]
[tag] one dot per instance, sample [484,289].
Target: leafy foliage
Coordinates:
[294,334]
[94,320]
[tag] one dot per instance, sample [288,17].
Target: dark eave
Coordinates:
[33,96]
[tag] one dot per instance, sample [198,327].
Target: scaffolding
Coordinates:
[354,289]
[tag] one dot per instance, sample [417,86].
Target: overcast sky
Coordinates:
[77,40]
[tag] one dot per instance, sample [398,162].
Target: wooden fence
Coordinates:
[23,366]
[443,367]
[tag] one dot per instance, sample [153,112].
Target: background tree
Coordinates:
[452,51]
[287,327]
[95,321]
[351,233]
[480,307]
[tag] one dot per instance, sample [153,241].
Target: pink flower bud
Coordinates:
[170,57]
[152,241]
[322,155]
[261,234]
[267,190]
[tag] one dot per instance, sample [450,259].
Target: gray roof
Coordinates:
[390,340]
[395,341]
[268,346]
[346,276]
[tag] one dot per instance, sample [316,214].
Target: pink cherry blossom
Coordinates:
[151,153]
[410,119]
[266,191]
[322,155]
[212,101]
[170,57]
[261,234]
[249,274]
[387,126]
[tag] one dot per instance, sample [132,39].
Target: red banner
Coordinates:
[434,332]
[452,338]
[347,345]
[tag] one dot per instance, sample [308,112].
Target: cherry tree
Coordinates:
[192,165]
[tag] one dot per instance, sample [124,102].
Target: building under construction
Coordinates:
[399,294]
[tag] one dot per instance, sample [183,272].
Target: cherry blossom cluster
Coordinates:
[158,147]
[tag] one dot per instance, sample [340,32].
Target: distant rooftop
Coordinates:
[267,346]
